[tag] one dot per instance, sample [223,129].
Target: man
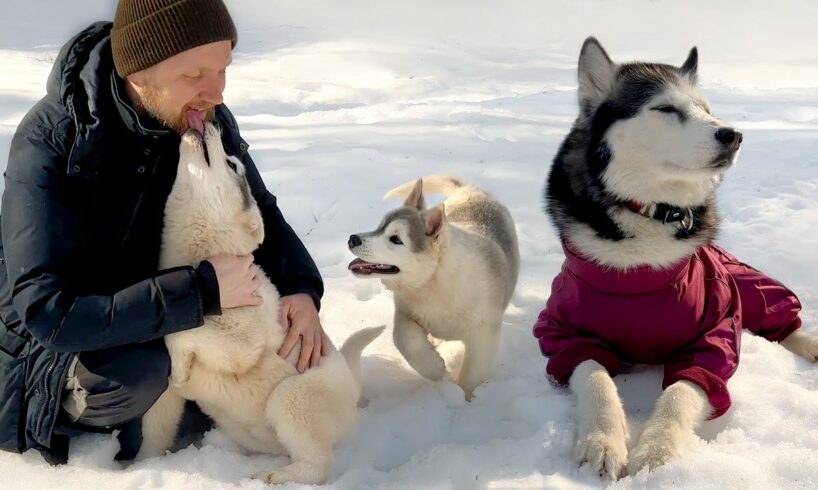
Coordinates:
[83,308]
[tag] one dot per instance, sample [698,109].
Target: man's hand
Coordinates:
[238,280]
[299,315]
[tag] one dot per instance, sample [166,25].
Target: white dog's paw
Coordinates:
[802,344]
[654,449]
[271,477]
[605,453]
[432,368]
[303,473]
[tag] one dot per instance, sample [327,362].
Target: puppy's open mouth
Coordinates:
[365,268]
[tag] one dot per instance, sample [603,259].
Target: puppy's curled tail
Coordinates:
[354,345]
[432,184]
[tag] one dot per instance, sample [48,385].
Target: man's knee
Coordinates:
[113,386]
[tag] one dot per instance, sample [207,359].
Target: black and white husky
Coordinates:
[633,185]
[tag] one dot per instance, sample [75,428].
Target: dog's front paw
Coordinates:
[302,473]
[270,477]
[654,449]
[802,344]
[432,368]
[605,452]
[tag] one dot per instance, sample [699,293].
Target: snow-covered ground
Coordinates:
[341,101]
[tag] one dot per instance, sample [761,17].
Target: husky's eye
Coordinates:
[667,109]
[232,166]
[396,240]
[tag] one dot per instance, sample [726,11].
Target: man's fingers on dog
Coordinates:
[306,351]
[289,342]
[324,345]
[282,317]
[316,350]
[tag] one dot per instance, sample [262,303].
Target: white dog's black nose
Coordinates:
[354,241]
[729,137]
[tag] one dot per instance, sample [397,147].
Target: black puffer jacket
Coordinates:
[81,221]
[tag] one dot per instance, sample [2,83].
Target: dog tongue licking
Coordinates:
[195,120]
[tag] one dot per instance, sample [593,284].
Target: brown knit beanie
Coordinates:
[147,32]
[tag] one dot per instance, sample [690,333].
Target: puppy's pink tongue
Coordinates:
[195,120]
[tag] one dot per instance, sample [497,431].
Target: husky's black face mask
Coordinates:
[644,135]
[650,126]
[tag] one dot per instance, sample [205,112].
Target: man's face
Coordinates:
[191,80]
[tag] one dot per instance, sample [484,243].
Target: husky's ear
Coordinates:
[415,198]
[434,220]
[596,73]
[690,68]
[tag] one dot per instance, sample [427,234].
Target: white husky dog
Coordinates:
[452,269]
[230,366]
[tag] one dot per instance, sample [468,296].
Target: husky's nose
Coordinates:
[354,241]
[729,137]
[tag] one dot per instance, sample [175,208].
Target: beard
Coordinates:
[153,103]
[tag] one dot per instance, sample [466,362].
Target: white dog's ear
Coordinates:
[434,220]
[415,198]
[596,74]
[690,68]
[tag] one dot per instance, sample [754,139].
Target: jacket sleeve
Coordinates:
[40,241]
[710,361]
[282,255]
[562,342]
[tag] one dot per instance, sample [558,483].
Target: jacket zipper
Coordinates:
[46,393]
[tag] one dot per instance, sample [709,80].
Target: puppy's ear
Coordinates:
[415,198]
[434,219]
[596,74]
[690,68]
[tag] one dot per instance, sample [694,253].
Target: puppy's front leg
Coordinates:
[680,409]
[603,428]
[478,359]
[160,423]
[413,342]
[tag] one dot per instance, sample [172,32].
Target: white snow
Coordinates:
[341,101]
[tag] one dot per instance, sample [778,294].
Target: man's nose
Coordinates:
[212,90]
[212,96]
